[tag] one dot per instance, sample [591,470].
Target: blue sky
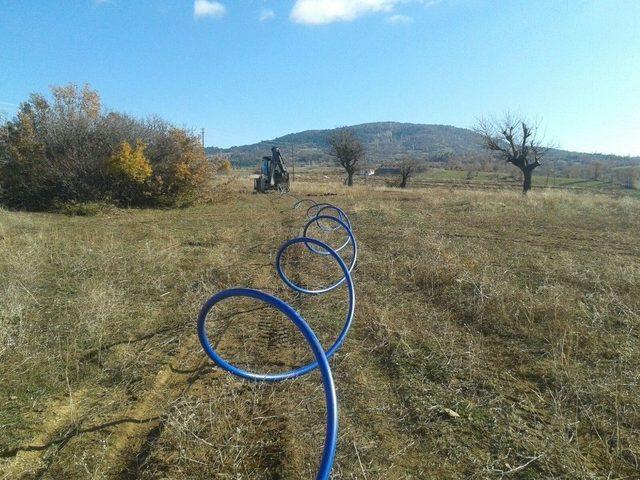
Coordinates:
[250,70]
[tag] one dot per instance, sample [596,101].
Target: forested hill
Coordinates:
[384,142]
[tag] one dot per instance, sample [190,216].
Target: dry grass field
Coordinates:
[496,336]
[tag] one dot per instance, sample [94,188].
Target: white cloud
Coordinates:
[319,12]
[400,19]
[267,14]
[208,8]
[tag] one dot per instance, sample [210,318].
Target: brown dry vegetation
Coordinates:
[520,315]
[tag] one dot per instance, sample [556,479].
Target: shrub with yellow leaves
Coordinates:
[130,172]
[189,171]
[130,163]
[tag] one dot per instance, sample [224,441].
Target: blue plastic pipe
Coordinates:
[354,257]
[300,202]
[277,377]
[331,434]
[343,216]
[321,357]
[345,225]
[322,206]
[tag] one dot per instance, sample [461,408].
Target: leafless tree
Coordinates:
[347,149]
[596,170]
[516,141]
[408,167]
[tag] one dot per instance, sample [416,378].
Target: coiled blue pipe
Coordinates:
[321,357]
[344,223]
[320,207]
[300,202]
[331,435]
[354,256]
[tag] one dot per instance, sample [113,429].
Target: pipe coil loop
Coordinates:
[321,356]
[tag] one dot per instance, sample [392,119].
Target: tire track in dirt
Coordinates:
[270,345]
[274,347]
[31,461]
[269,348]
[134,445]
[68,425]
[168,386]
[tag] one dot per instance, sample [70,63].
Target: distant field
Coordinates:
[496,336]
[538,180]
[486,180]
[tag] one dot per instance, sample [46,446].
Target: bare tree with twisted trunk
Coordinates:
[408,167]
[346,148]
[516,141]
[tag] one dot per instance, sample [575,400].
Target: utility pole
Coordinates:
[364,170]
[202,137]
[293,163]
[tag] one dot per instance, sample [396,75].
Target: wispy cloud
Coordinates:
[399,19]
[267,14]
[208,8]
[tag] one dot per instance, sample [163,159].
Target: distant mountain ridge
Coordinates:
[384,142]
